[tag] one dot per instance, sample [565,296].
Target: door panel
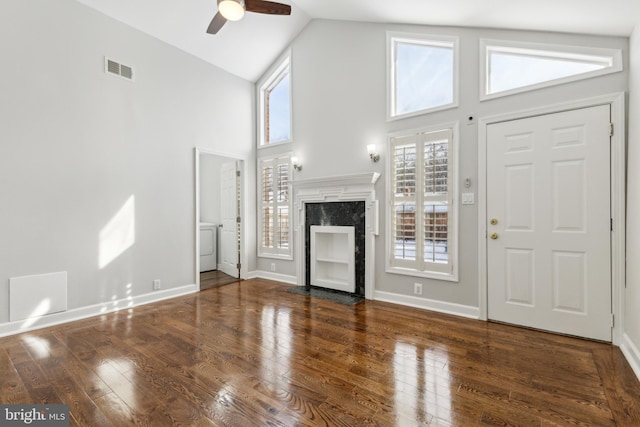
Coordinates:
[548,253]
[519,276]
[519,204]
[229,252]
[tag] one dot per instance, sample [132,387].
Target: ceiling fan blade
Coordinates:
[216,23]
[268,7]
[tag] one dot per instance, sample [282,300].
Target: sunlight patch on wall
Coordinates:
[43,308]
[118,235]
[117,304]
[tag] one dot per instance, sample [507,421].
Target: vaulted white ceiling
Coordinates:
[247,47]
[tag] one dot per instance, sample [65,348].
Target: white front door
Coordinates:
[548,237]
[229,249]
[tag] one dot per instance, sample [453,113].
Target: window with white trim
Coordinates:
[422,194]
[275,105]
[422,73]
[274,204]
[513,67]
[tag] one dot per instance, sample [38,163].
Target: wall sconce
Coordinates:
[371,149]
[295,162]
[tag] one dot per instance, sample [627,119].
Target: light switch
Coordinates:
[468,198]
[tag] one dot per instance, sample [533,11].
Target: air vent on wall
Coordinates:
[115,68]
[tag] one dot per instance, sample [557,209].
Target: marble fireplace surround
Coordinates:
[345,188]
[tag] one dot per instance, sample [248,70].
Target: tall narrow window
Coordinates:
[512,67]
[422,74]
[274,194]
[275,105]
[423,212]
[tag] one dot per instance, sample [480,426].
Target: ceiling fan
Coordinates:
[233,10]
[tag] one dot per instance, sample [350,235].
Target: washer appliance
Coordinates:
[208,246]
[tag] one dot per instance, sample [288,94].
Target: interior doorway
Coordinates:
[219,203]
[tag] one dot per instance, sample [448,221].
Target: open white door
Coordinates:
[548,207]
[230,214]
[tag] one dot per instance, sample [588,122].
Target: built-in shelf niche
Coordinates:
[333,257]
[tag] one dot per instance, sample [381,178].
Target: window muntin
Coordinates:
[512,67]
[274,223]
[275,105]
[423,217]
[422,74]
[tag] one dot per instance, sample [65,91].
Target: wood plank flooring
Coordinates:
[251,354]
[215,278]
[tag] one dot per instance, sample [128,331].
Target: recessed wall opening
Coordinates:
[333,216]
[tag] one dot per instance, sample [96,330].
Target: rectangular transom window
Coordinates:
[513,67]
[422,73]
[422,205]
[275,105]
[274,204]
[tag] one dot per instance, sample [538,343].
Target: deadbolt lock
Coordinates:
[494,221]
[494,236]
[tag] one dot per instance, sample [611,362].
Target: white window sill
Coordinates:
[425,274]
[275,144]
[391,118]
[276,256]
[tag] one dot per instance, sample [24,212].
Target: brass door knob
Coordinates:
[494,236]
[494,221]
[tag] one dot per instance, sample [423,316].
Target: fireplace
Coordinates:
[337,214]
[343,201]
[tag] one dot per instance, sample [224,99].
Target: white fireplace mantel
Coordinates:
[344,188]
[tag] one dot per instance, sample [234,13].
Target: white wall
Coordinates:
[210,166]
[632,297]
[339,103]
[76,144]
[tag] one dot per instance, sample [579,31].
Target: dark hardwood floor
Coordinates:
[215,278]
[252,354]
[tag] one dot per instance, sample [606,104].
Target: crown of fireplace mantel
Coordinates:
[338,180]
[343,188]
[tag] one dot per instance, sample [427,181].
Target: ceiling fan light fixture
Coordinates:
[232,10]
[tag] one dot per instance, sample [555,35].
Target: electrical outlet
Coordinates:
[156,284]
[273,267]
[417,288]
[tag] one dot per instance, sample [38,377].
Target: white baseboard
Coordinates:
[260,274]
[12,328]
[428,304]
[631,353]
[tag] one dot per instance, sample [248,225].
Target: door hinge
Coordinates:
[238,174]
[238,266]
[610,129]
[611,223]
[238,219]
[612,320]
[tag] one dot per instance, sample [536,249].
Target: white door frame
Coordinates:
[618,176]
[196,226]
